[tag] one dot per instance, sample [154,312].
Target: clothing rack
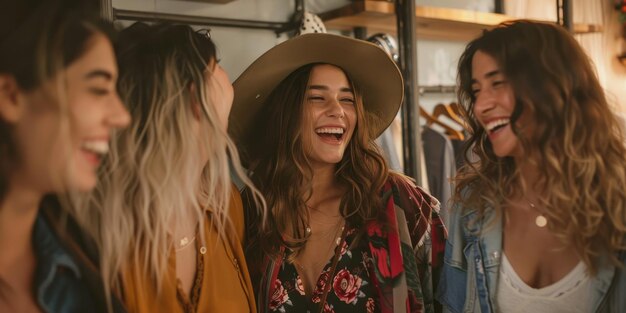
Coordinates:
[448,89]
[111,14]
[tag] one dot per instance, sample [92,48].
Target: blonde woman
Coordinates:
[58,108]
[539,224]
[168,218]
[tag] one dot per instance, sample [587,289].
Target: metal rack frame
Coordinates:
[110,13]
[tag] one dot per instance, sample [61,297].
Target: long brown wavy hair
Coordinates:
[283,173]
[577,144]
[59,33]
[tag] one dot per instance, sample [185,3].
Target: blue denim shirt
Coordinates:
[472,262]
[58,287]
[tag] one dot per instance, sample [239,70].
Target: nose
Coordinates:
[118,115]
[483,103]
[335,109]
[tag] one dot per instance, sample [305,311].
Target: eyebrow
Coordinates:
[322,87]
[99,73]
[488,75]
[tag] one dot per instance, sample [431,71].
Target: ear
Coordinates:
[11,107]
[195,102]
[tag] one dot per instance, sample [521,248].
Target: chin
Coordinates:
[84,183]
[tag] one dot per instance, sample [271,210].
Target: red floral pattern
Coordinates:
[385,253]
[328,308]
[279,297]
[347,286]
[349,289]
[299,286]
[370,306]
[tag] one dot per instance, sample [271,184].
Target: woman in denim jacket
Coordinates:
[58,107]
[540,219]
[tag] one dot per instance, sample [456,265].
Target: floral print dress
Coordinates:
[351,288]
[396,263]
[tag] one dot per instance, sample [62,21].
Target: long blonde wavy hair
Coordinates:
[577,145]
[154,178]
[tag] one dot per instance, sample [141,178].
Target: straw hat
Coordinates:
[366,64]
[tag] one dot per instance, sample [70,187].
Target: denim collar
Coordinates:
[51,257]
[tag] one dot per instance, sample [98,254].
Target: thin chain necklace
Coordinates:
[541,221]
[185,242]
[334,243]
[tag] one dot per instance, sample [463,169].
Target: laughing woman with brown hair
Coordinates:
[344,234]
[539,222]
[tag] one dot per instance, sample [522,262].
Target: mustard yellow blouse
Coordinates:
[222,280]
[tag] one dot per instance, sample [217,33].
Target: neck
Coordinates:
[325,187]
[18,211]
[529,174]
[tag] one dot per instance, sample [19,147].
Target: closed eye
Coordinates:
[316,98]
[99,91]
[498,83]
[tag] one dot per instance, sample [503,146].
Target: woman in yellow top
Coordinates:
[167,219]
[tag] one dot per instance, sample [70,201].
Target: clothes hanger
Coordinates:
[447,111]
[456,108]
[449,131]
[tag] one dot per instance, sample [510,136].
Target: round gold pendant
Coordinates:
[541,221]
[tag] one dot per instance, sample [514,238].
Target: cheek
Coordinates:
[351,116]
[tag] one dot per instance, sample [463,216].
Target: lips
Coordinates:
[497,124]
[331,134]
[94,150]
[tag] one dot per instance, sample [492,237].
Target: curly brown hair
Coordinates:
[283,173]
[577,144]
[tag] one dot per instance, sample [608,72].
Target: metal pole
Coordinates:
[411,139]
[200,20]
[568,22]
[499,6]
[564,14]
[360,33]
[106,9]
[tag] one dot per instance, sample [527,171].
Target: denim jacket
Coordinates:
[66,279]
[471,268]
[57,282]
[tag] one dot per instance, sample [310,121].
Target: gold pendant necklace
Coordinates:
[541,221]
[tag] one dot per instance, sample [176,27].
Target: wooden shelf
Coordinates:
[432,22]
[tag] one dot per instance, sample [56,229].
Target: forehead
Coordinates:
[328,75]
[98,54]
[482,65]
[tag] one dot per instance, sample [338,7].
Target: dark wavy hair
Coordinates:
[283,173]
[577,144]
[38,39]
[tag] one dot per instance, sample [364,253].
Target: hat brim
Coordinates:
[366,64]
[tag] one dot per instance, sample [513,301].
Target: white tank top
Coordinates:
[568,295]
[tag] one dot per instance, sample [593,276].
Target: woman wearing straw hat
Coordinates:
[344,234]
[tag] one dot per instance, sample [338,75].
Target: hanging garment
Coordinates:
[440,165]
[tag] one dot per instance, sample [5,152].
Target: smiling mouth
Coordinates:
[95,150]
[331,133]
[496,125]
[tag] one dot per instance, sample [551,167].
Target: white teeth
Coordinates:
[99,147]
[330,130]
[495,123]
